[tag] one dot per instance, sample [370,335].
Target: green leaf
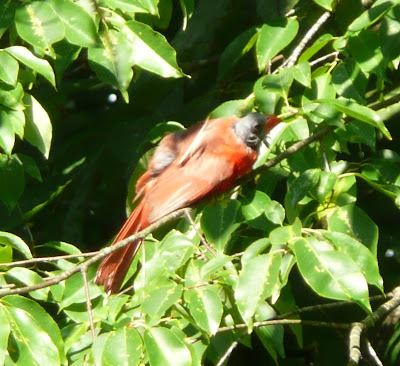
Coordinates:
[364,47]
[30,166]
[29,278]
[218,222]
[4,334]
[6,254]
[187,7]
[62,247]
[241,45]
[300,187]
[254,206]
[256,282]
[359,254]
[38,24]
[353,221]
[255,249]
[7,14]
[275,213]
[158,300]
[330,273]
[150,50]
[74,292]
[282,235]
[271,336]
[205,307]
[359,112]
[18,120]
[315,47]
[42,317]
[325,186]
[112,62]
[327,4]
[22,54]
[232,108]
[34,346]
[270,88]
[12,97]
[9,68]
[79,25]
[12,181]
[122,347]
[273,38]
[134,6]
[370,16]
[349,81]
[38,128]
[7,137]
[15,242]
[66,53]
[211,269]
[165,348]
[302,73]
[389,33]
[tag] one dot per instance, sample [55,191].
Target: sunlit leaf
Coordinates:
[22,54]
[273,38]
[38,128]
[165,348]
[330,273]
[38,24]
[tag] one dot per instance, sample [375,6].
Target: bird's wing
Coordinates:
[179,187]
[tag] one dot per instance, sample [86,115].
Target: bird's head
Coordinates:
[252,128]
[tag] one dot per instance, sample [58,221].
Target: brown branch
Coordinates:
[313,323]
[48,259]
[358,328]
[101,254]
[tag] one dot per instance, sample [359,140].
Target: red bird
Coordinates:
[186,167]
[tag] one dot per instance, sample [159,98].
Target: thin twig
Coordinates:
[358,328]
[102,253]
[48,259]
[202,239]
[228,352]
[313,323]
[84,270]
[323,58]
[309,35]
[373,354]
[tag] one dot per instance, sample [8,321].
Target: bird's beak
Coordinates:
[272,121]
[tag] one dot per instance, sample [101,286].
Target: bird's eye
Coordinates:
[257,128]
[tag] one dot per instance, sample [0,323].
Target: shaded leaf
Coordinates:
[12,181]
[218,222]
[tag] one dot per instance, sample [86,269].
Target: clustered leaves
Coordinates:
[299,221]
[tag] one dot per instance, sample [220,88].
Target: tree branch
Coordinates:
[310,34]
[358,328]
[101,254]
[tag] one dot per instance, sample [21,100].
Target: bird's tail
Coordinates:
[114,267]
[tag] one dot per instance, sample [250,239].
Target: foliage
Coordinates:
[308,229]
